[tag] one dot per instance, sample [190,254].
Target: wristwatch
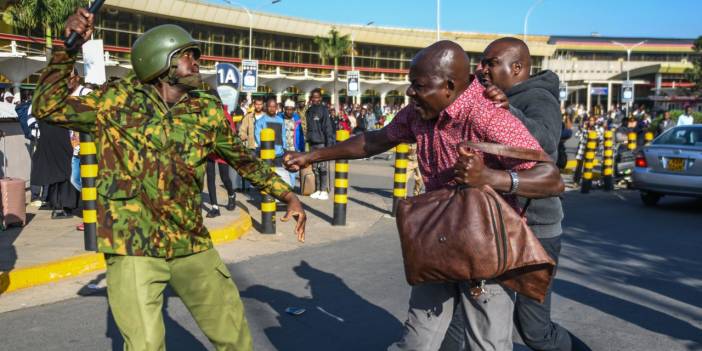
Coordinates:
[515,183]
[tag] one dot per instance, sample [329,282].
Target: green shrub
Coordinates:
[674,114]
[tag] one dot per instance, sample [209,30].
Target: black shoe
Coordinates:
[231,204]
[61,214]
[213,213]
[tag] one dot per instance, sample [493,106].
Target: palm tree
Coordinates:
[333,47]
[48,15]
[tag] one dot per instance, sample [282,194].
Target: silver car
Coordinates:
[670,165]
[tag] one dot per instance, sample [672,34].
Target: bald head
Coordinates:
[506,62]
[438,74]
[444,59]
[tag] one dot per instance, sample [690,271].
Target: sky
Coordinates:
[621,18]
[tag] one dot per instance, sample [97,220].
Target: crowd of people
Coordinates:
[642,122]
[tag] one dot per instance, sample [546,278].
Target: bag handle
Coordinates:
[510,151]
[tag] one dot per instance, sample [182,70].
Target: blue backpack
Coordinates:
[23,116]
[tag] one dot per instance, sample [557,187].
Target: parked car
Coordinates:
[670,165]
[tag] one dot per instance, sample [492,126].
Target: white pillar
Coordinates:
[609,96]
[659,83]
[307,96]
[16,90]
[279,96]
[407,100]
[589,98]
[334,99]
[383,95]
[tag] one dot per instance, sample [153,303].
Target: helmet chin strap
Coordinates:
[186,83]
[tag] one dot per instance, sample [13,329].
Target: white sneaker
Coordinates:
[323,195]
[315,195]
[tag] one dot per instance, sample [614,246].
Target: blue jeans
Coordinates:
[293,178]
[75,173]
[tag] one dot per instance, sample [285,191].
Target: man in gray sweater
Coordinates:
[506,65]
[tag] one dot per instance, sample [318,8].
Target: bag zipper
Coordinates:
[497,240]
[503,235]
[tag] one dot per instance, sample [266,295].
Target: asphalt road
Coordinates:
[630,279]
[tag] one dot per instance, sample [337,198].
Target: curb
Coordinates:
[49,272]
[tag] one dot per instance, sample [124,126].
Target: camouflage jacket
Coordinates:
[151,159]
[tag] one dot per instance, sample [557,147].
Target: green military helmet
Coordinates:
[153,50]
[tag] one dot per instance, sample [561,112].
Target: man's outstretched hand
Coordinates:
[295,161]
[296,211]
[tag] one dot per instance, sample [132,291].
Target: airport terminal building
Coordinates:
[593,67]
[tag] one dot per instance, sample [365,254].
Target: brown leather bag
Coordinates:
[467,233]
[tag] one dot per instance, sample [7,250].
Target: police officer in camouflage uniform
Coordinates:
[153,133]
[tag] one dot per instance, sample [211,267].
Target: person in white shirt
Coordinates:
[686,118]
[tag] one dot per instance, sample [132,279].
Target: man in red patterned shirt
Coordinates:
[447,109]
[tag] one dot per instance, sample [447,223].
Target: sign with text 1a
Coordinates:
[249,74]
[227,74]
[353,83]
[228,83]
[627,91]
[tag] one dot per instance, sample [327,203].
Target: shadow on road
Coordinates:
[655,249]
[642,316]
[336,317]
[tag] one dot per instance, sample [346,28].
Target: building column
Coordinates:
[407,100]
[609,96]
[383,95]
[16,90]
[279,96]
[588,98]
[659,83]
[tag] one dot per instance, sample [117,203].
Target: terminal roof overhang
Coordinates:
[234,17]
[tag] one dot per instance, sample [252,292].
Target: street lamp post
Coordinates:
[353,54]
[353,62]
[526,18]
[438,20]
[234,3]
[628,63]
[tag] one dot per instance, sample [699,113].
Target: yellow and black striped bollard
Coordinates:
[648,137]
[589,161]
[88,174]
[341,184]
[400,179]
[631,141]
[267,201]
[608,161]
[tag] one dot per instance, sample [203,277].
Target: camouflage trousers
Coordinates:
[135,287]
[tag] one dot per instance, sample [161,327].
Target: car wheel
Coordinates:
[650,199]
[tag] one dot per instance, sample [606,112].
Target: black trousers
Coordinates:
[321,171]
[63,196]
[223,174]
[532,319]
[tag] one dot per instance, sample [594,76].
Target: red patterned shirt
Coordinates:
[471,117]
